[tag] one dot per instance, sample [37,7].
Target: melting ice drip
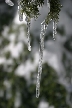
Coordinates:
[9,2]
[54,29]
[28,32]
[42,34]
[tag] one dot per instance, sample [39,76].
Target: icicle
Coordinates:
[42,34]
[28,32]
[18,4]
[48,4]
[20,14]
[9,2]
[54,29]
[20,11]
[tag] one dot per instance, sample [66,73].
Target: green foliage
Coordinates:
[55,8]
[30,8]
[51,91]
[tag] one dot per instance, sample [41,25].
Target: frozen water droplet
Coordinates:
[54,39]
[41,48]
[29,48]
[28,32]
[54,29]
[9,2]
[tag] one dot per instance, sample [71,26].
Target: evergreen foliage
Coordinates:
[30,8]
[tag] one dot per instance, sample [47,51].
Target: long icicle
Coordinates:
[28,32]
[54,29]
[9,2]
[42,34]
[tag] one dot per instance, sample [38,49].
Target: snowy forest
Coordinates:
[19,66]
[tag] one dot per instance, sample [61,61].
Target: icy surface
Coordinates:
[41,48]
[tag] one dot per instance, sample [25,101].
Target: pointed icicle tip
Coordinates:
[54,39]
[29,48]
[37,93]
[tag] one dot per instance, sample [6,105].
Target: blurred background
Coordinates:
[18,66]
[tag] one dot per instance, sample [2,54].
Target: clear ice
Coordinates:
[28,32]
[41,48]
[9,2]
[54,29]
[20,11]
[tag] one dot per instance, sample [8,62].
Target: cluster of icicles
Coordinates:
[42,35]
